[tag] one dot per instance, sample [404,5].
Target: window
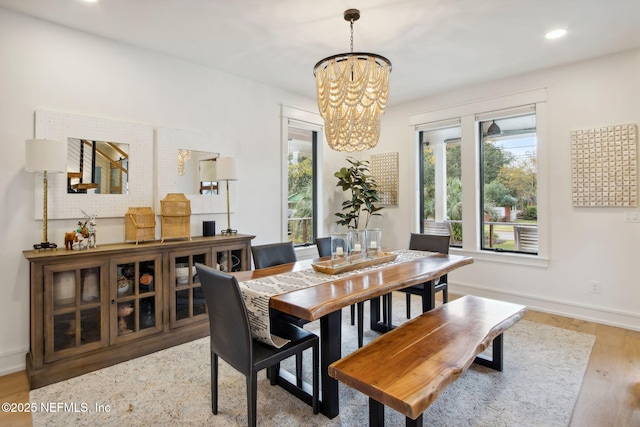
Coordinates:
[441,179]
[508,183]
[301,185]
[478,174]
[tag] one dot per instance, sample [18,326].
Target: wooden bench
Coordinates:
[407,368]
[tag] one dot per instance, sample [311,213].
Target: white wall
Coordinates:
[53,68]
[584,243]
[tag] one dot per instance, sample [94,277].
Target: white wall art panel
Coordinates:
[604,166]
[384,168]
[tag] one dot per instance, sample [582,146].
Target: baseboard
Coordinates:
[13,361]
[589,313]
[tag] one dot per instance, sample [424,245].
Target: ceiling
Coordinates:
[434,45]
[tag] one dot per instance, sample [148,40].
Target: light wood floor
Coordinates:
[610,393]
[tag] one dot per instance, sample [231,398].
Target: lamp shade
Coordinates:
[494,129]
[227,169]
[208,170]
[45,155]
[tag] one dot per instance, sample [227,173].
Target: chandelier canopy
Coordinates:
[352,93]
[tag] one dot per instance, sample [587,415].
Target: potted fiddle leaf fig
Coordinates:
[364,194]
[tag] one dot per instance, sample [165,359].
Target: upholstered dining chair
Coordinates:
[231,340]
[273,254]
[270,255]
[324,249]
[324,246]
[432,243]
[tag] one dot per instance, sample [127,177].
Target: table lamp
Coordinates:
[227,170]
[45,156]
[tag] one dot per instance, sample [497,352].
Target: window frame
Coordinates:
[480,119]
[466,114]
[313,122]
[439,152]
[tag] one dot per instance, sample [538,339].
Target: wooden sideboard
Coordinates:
[97,307]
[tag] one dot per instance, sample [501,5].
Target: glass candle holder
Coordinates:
[339,248]
[357,246]
[373,240]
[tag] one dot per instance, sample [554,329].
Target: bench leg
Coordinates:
[496,360]
[376,413]
[414,423]
[376,416]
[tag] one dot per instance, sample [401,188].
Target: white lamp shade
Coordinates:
[207,170]
[45,155]
[227,169]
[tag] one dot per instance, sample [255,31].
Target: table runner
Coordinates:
[257,292]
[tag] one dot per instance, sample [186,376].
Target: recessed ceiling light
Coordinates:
[90,1]
[555,34]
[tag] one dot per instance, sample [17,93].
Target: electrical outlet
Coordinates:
[632,216]
[594,286]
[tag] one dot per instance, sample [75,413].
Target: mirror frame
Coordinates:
[168,142]
[62,126]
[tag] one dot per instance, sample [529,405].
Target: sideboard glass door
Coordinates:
[136,302]
[75,316]
[187,299]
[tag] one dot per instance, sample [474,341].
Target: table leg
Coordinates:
[330,351]
[429,296]
[374,306]
[374,322]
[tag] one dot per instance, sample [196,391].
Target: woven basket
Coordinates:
[175,204]
[175,217]
[139,224]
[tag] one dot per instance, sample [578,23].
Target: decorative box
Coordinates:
[175,214]
[139,224]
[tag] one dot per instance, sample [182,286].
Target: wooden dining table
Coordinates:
[326,301]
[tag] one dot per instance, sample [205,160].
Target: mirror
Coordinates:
[196,172]
[97,167]
[183,161]
[138,138]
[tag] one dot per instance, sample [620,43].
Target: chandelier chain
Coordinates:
[351,35]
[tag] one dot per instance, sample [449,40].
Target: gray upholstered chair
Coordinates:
[324,246]
[432,243]
[270,255]
[273,254]
[324,249]
[231,340]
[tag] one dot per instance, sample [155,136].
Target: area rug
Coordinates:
[543,371]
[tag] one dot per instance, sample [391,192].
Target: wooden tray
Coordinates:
[327,268]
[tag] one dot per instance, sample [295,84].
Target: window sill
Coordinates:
[504,258]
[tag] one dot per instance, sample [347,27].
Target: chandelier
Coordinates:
[183,158]
[352,93]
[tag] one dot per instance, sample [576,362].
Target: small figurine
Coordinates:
[81,234]
[69,240]
[91,229]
